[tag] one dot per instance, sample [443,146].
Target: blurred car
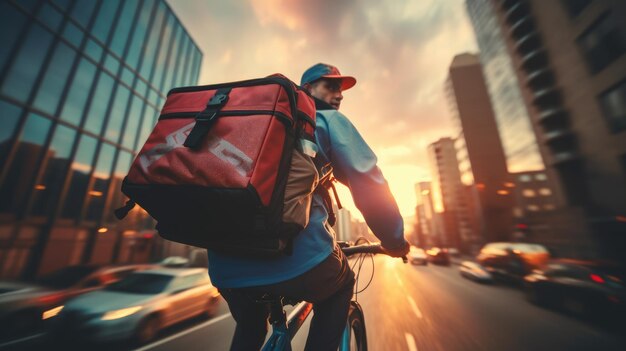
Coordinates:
[137,307]
[24,305]
[174,262]
[417,256]
[197,259]
[582,287]
[512,261]
[453,252]
[438,256]
[474,271]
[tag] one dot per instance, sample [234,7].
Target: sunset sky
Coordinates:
[398,50]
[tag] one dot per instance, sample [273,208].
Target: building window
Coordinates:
[21,76]
[549,207]
[529,193]
[524,178]
[575,7]
[79,91]
[48,187]
[104,19]
[99,103]
[152,42]
[127,76]
[541,177]
[11,21]
[122,32]
[613,103]
[55,79]
[148,123]
[602,43]
[79,177]
[73,34]
[132,123]
[10,116]
[94,50]
[545,191]
[100,183]
[117,114]
[532,208]
[82,12]
[63,4]
[50,16]
[16,186]
[112,64]
[117,197]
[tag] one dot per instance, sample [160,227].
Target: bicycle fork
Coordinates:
[283,332]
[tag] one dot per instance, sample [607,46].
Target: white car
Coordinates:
[474,271]
[26,306]
[138,307]
[418,256]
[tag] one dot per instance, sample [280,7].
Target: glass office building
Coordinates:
[81,86]
[518,138]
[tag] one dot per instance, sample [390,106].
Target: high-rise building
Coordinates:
[517,131]
[535,203]
[81,86]
[570,56]
[424,214]
[447,195]
[479,150]
[521,148]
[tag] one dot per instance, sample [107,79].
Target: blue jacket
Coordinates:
[354,165]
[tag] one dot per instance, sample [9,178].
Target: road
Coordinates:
[428,308]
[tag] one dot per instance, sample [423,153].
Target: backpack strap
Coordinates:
[326,183]
[122,212]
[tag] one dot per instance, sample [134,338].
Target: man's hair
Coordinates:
[335,82]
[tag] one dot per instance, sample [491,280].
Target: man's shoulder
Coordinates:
[332,114]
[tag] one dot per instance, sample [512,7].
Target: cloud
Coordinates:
[399,51]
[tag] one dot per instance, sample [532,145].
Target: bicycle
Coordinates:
[284,329]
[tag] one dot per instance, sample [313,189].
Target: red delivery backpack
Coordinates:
[229,167]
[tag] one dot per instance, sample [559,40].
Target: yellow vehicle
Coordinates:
[512,260]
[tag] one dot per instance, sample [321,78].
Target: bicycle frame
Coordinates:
[284,329]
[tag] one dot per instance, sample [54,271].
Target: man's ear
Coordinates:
[307,87]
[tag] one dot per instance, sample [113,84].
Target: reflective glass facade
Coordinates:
[514,125]
[81,86]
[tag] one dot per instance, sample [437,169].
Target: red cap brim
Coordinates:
[347,82]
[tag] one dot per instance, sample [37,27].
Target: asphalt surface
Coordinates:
[412,308]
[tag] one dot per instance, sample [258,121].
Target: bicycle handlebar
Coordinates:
[363,248]
[374,248]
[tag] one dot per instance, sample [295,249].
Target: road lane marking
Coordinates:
[399,280]
[17,341]
[417,311]
[410,341]
[184,332]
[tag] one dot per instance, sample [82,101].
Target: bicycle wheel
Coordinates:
[355,338]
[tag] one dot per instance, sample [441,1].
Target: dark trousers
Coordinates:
[328,286]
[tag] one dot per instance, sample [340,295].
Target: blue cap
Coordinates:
[322,70]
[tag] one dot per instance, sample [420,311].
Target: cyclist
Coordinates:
[317,271]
